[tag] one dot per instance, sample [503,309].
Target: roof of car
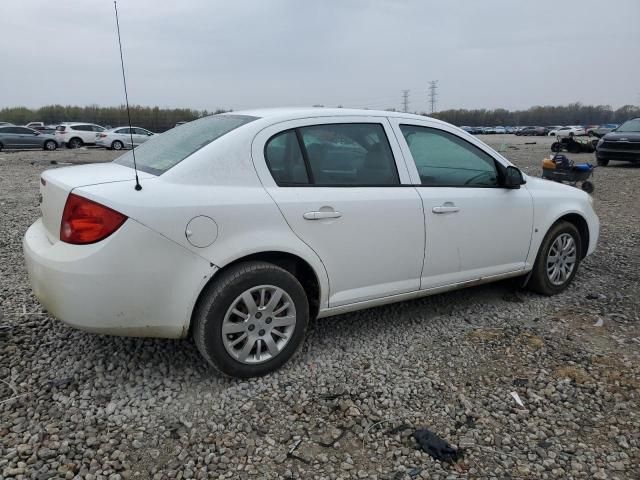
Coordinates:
[293,113]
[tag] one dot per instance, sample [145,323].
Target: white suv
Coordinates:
[245,226]
[75,135]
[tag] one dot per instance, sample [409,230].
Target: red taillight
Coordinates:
[85,221]
[102,135]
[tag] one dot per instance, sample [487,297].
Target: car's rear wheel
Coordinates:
[558,259]
[74,143]
[602,162]
[117,145]
[50,145]
[251,320]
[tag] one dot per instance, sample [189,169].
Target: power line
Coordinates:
[405,101]
[433,94]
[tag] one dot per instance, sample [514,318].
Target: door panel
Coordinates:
[474,228]
[370,238]
[488,235]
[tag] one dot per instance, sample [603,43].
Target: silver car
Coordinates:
[15,137]
[121,137]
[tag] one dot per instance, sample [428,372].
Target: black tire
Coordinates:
[219,296]
[50,145]
[1,147]
[539,281]
[588,186]
[117,145]
[602,162]
[556,147]
[574,148]
[75,142]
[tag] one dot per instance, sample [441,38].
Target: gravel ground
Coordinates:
[77,405]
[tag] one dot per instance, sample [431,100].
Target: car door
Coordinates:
[140,135]
[23,137]
[31,138]
[474,227]
[343,187]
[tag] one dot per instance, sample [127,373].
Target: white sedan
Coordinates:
[247,225]
[567,132]
[123,137]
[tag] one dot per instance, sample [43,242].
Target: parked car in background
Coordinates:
[602,130]
[249,225]
[120,137]
[569,131]
[76,134]
[16,137]
[500,130]
[34,124]
[622,144]
[510,129]
[531,131]
[5,124]
[48,129]
[488,130]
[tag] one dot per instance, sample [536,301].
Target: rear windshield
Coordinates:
[161,152]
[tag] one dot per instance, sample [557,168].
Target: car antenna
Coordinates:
[126,98]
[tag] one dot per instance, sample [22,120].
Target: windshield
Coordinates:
[161,152]
[630,126]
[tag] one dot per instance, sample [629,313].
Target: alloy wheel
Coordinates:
[561,259]
[259,324]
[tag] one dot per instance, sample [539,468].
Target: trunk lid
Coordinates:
[56,184]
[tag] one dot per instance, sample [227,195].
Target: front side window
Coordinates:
[161,152]
[445,160]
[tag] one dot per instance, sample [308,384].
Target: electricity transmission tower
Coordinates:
[433,94]
[405,100]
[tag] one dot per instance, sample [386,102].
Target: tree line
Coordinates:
[159,119]
[572,114]
[155,119]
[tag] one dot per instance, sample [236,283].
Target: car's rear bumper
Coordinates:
[134,283]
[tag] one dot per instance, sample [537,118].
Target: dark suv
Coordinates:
[621,144]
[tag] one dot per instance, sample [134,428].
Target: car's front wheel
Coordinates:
[558,259]
[251,320]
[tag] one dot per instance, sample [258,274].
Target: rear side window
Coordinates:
[446,160]
[122,130]
[347,154]
[60,128]
[161,152]
[285,160]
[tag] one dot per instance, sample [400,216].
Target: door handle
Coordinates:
[446,207]
[320,215]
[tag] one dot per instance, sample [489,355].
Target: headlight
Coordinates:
[600,142]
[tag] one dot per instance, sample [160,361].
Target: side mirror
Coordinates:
[150,134]
[513,178]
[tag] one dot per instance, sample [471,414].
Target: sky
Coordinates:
[240,54]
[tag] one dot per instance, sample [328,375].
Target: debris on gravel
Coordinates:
[78,405]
